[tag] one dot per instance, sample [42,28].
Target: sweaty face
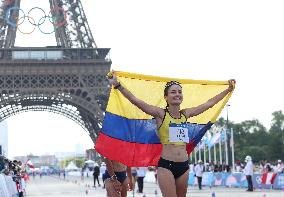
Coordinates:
[175,95]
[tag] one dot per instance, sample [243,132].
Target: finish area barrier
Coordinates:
[235,180]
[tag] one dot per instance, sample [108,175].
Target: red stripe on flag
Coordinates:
[190,147]
[128,153]
[263,178]
[268,178]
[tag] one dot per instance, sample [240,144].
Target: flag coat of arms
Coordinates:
[129,135]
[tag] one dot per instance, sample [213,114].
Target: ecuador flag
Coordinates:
[129,135]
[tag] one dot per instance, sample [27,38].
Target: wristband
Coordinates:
[117,86]
[113,177]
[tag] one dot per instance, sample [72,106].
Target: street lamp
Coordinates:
[227,106]
[227,128]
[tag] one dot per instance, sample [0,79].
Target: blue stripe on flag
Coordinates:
[144,131]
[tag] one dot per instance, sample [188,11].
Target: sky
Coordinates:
[204,39]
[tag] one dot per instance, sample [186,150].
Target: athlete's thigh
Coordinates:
[166,182]
[124,187]
[182,184]
[111,192]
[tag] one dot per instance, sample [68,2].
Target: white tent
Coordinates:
[90,162]
[71,166]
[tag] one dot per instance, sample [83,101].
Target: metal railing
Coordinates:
[54,53]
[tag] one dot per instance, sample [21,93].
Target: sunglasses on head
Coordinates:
[172,83]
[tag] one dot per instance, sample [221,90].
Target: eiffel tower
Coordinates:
[67,79]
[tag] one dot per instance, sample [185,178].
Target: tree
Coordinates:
[249,137]
[252,138]
[78,161]
[276,136]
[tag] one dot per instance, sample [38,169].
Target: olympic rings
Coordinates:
[57,17]
[54,27]
[33,25]
[38,24]
[10,13]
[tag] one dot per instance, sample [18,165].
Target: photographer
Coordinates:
[7,183]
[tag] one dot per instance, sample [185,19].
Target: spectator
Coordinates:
[191,167]
[249,172]
[218,167]
[227,168]
[211,167]
[141,173]
[96,175]
[199,169]
[238,166]
[103,172]
[12,176]
[279,167]
[82,174]
[156,174]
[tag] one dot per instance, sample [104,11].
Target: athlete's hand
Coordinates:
[232,83]
[112,79]
[117,186]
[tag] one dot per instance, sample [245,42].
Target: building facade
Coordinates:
[4,138]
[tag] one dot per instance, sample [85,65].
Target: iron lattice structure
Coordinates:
[68,79]
[71,26]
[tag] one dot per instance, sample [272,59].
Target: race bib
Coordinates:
[178,133]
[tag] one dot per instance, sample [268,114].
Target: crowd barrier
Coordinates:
[235,180]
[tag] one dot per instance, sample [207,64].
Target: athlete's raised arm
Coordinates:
[145,107]
[194,111]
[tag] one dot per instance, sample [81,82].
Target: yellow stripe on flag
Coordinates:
[150,89]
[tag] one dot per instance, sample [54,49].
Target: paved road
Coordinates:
[73,186]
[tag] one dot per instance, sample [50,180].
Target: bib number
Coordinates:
[178,133]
